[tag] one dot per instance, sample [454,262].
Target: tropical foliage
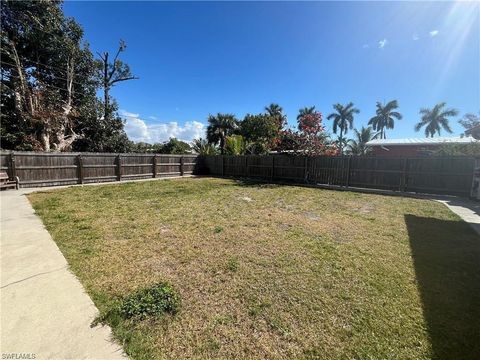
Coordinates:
[471,123]
[310,139]
[385,117]
[203,147]
[262,131]
[435,119]
[357,146]
[219,127]
[276,111]
[235,145]
[342,120]
[307,110]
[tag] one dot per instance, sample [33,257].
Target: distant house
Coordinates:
[414,147]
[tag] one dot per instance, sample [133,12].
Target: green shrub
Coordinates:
[154,301]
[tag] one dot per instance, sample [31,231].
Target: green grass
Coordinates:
[294,273]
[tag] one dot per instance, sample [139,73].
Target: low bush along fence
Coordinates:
[438,175]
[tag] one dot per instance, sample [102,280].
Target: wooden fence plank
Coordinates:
[446,175]
[50,169]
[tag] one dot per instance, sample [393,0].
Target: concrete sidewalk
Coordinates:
[468,210]
[45,312]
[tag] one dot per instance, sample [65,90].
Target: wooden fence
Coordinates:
[436,175]
[51,169]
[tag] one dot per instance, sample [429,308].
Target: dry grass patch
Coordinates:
[268,271]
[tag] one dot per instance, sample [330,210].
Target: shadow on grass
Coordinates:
[446,256]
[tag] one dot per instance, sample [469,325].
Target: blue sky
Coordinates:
[197,58]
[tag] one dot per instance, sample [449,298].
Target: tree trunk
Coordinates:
[222,145]
[106,87]
[341,141]
[23,98]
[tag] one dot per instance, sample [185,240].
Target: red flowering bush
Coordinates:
[310,139]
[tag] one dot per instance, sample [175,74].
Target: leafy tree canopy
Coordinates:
[262,130]
[471,123]
[49,83]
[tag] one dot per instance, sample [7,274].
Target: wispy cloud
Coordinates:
[152,117]
[365,46]
[138,129]
[382,43]
[415,37]
[433,33]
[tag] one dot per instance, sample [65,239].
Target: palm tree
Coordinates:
[385,117]
[202,147]
[219,127]
[306,110]
[342,119]
[358,146]
[276,111]
[435,119]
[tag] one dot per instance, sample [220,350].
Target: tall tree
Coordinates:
[49,81]
[385,117]
[112,73]
[305,111]
[471,123]
[276,111]
[435,119]
[310,139]
[357,146]
[342,120]
[261,132]
[219,127]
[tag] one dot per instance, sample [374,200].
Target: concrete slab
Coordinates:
[45,312]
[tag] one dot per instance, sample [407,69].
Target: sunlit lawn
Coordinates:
[270,271]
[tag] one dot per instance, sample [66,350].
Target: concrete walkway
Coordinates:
[468,210]
[45,312]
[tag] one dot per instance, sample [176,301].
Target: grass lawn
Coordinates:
[271,271]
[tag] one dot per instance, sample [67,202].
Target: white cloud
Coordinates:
[152,117]
[415,37]
[433,33]
[365,46]
[139,130]
[382,43]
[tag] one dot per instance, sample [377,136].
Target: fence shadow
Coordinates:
[446,256]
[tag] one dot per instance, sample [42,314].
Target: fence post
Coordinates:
[119,167]
[273,167]
[13,167]
[181,165]
[348,170]
[306,169]
[154,165]
[80,168]
[404,176]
